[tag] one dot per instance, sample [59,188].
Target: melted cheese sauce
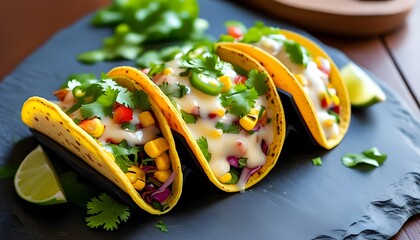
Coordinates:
[220,145]
[317,80]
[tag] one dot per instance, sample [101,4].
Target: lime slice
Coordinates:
[36,180]
[363,90]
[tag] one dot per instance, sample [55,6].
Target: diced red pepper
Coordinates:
[336,109]
[212,115]
[234,31]
[240,79]
[122,114]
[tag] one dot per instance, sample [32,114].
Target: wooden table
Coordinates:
[25,25]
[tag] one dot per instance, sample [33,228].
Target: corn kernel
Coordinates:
[302,79]
[132,177]
[167,71]
[162,175]
[93,126]
[335,100]
[215,133]
[325,100]
[328,123]
[146,119]
[156,147]
[227,83]
[137,177]
[163,162]
[139,185]
[225,178]
[220,112]
[249,121]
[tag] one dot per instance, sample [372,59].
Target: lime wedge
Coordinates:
[363,90]
[36,180]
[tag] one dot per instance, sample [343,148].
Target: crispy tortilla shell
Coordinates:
[177,123]
[285,80]
[47,118]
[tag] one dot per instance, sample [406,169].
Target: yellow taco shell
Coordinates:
[47,118]
[285,80]
[177,123]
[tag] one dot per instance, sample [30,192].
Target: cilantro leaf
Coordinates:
[256,32]
[142,100]
[239,100]
[317,161]
[204,147]
[208,64]
[106,212]
[228,128]
[125,155]
[297,53]
[161,226]
[102,107]
[174,90]
[257,80]
[371,156]
[188,118]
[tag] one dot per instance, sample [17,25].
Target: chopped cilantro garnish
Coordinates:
[259,30]
[258,81]
[129,127]
[106,212]
[208,64]
[239,100]
[143,99]
[317,161]
[228,128]
[204,147]
[371,156]
[125,155]
[156,69]
[242,162]
[161,226]
[188,118]
[297,53]
[174,90]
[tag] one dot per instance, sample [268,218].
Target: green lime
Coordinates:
[363,90]
[36,180]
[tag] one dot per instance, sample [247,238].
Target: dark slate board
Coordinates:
[295,201]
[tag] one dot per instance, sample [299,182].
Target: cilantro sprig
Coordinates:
[204,147]
[371,156]
[239,100]
[106,212]
[125,156]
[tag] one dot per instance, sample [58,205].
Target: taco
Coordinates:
[115,128]
[300,67]
[226,107]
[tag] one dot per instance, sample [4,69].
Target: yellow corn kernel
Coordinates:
[162,175]
[227,83]
[249,121]
[325,100]
[156,147]
[328,123]
[146,119]
[225,178]
[93,126]
[137,177]
[302,79]
[163,162]
[335,100]
[215,133]
[132,177]
[139,185]
[167,71]
[220,112]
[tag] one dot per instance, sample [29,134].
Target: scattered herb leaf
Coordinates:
[371,156]
[106,212]
[161,226]
[204,147]
[317,161]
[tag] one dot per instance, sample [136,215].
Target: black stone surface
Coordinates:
[295,201]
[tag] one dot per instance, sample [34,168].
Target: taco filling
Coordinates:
[123,123]
[313,74]
[224,107]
